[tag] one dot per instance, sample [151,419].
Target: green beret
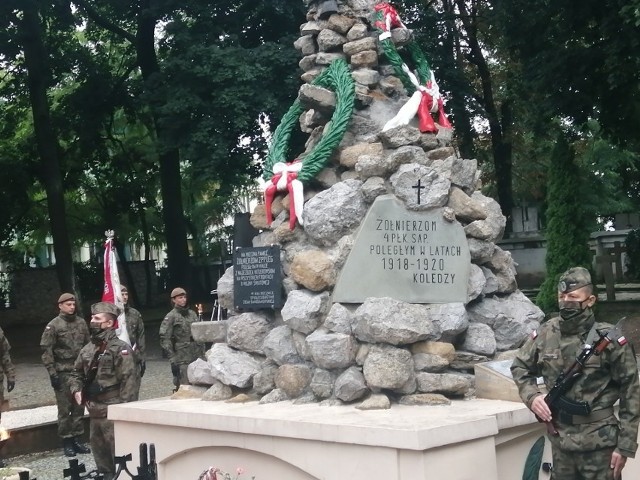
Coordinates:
[65,297]
[178,291]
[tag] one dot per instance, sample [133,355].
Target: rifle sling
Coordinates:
[593,417]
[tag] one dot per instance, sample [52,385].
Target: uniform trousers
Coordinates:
[594,465]
[69,412]
[103,445]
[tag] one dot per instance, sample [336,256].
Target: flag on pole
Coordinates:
[112,292]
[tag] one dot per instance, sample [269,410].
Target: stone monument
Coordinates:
[392,282]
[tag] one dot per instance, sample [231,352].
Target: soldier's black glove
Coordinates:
[175,370]
[143,368]
[55,382]
[11,384]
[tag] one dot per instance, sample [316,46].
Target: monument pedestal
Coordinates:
[473,439]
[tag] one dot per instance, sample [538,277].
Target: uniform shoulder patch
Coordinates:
[534,334]
[124,351]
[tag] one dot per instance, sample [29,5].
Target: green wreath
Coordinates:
[420,62]
[337,77]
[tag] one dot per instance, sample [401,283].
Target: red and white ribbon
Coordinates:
[285,178]
[112,292]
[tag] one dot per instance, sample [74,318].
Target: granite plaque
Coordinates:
[257,278]
[413,256]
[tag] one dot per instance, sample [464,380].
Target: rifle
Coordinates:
[88,390]
[555,398]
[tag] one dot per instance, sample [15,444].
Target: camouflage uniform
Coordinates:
[583,451]
[135,329]
[7,368]
[177,342]
[115,382]
[61,341]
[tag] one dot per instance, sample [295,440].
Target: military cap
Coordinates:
[105,307]
[65,297]
[123,289]
[178,291]
[573,279]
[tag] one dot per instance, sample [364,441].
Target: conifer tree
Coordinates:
[568,223]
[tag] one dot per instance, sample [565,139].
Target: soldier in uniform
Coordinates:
[594,446]
[104,374]
[61,341]
[176,339]
[135,329]
[6,368]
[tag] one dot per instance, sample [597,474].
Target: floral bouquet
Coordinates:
[214,473]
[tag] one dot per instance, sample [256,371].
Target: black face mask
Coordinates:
[575,316]
[570,309]
[97,333]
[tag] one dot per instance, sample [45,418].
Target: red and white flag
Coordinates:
[112,292]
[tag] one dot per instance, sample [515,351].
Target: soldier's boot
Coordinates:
[79,447]
[67,447]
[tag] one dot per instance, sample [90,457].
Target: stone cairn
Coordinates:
[382,350]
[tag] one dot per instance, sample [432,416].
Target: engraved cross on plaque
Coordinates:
[419,187]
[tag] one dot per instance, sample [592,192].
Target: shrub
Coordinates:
[568,224]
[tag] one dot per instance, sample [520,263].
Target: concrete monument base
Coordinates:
[488,439]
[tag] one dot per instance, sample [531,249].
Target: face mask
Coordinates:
[97,333]
[573,315]
[570,309]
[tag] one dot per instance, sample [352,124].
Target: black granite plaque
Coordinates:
[257,278]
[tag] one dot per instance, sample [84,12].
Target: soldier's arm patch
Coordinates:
[125,352]
[534,334]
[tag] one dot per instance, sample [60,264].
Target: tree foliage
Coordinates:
[145,98]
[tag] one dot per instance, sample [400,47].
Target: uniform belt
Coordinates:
[108,395]
[593,417]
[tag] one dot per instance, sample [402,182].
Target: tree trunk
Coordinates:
[172,209]
[503,163]
[147,256]
[499,125]
[36,62]
[456,103]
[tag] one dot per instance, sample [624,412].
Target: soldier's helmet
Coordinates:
[65,297]
[178,291]
[123,289]
[573,279]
